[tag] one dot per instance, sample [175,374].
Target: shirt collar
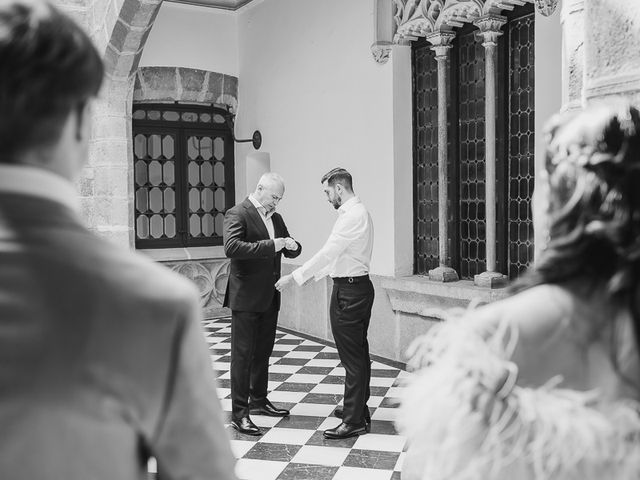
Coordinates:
[260,208]
[38,182]
[346,206]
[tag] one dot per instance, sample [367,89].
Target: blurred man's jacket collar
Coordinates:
[34,181]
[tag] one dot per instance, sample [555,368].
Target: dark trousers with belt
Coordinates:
[252,337]
[350,312]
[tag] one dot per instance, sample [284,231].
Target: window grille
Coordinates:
[183,175]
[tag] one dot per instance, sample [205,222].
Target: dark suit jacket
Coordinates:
[255,265]
[103,360]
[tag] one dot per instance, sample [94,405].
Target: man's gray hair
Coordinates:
[271,178]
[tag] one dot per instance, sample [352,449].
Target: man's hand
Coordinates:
[290,244]
[284,282]
[279,243]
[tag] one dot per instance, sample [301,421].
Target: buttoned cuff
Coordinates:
[297,276]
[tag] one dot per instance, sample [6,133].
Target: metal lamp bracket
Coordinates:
[256,138]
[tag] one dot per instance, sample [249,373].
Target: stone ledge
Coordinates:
[418,295]
[178,254]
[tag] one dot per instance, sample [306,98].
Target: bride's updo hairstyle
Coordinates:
[592,202]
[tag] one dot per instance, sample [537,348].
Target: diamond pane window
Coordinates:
[182,174]
[426,162]
[515,143]
[520,33]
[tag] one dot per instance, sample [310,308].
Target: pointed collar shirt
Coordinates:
[264,215]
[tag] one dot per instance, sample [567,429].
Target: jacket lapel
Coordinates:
[254,215]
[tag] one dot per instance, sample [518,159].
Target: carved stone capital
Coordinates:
[546,7]
[442,42]
[381,51]
[490,26]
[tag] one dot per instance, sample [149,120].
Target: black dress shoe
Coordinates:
[269,409]
[246,426]
[339,412]
[345,430]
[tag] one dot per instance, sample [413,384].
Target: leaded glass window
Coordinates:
[183,175]
[514,147]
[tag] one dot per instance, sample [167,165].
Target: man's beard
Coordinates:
[337,202]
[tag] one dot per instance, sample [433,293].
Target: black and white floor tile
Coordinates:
[307,378]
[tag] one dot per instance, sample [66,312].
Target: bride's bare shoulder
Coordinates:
[536,312]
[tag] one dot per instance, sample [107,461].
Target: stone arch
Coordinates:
[129,34]
[121,29]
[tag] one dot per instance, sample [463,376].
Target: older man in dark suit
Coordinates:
[255,238]
[103,361]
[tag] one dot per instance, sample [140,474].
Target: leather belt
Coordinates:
[358,279]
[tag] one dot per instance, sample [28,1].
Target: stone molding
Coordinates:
[181,84]
[417,295]
[418,18]
[623,84]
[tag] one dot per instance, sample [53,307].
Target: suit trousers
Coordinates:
[350,313]
[252,337]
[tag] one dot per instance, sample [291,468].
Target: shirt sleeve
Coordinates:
[346,230]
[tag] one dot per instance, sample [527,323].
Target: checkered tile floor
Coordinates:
[307,378]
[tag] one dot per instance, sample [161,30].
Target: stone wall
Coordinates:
[177,84]
[120,29]
[612,56]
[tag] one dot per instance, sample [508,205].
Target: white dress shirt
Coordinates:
[347,251]
[38,182]
[266,217]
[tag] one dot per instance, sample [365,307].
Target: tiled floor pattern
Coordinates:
[307,378]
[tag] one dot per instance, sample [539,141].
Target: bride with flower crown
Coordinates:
[545,385]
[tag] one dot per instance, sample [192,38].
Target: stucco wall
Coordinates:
[194,37]
[308,82]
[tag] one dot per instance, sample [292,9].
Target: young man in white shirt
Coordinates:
[346,256]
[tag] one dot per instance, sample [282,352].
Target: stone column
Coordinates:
[573,35]
[441,42]
[106,182]
[489,26]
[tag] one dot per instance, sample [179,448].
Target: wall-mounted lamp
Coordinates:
[256,139]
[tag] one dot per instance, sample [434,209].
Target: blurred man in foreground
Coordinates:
[103,363]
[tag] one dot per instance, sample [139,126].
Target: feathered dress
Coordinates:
[466,419]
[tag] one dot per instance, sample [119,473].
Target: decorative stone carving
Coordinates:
[418,18]
[489,26]
[210,277]
[546,7]
[381,52]
[383,29]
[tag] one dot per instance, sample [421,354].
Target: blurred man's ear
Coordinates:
[83,121]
